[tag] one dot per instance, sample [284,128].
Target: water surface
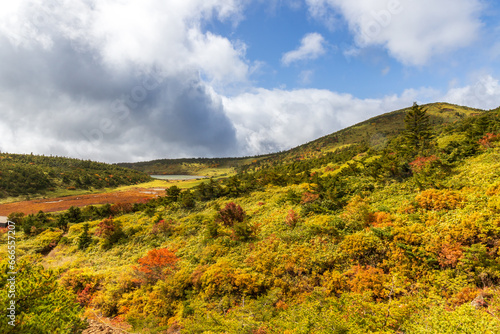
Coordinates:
[177,177]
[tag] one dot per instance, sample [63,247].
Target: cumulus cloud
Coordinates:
[311,47]
[117,80]
[274,120]
[484,93]
[411,31]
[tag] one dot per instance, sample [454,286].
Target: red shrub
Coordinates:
[292,218]
[420,163]
[163,227]
[488,140]
[85,296]
[106,228]
[231,214]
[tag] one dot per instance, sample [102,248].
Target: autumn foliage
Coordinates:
[231,214]
[157,264]
[489,140]
[434,199]
[420,163]
[356,239]
[292,218]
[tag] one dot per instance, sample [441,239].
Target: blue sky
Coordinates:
[126,80]
[269,31]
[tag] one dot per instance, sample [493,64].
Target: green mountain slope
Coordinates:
[361,239]
[375,132]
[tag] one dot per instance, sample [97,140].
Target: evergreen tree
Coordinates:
[84,239]
[417,130]
[62,223]
[74,215]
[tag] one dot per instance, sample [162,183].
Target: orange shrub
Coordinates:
[281,305]
[381,219]
[157,264]
[450,254]
[368,278]
[434,199]
[466,295]
[308,197]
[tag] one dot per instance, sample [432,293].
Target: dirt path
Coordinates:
[97,327]
[64,203]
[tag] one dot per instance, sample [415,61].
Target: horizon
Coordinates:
[121,81]
[240,157]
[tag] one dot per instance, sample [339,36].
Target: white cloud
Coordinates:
[484,93]
[75,59]
[311,47]
[412,31]
[128,33]
[273,120]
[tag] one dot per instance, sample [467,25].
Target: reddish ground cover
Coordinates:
[64,203]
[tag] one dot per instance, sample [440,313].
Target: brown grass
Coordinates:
[64,203]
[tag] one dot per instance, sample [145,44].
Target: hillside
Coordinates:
[401,236]
[212,167]
[28,175]
[375,132]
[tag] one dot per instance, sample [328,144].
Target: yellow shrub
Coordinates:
[434,199]
[334,282]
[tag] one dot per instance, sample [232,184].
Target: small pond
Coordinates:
[177,177]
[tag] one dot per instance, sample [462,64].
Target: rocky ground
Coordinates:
[97,327]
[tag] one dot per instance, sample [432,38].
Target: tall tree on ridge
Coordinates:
[417,132]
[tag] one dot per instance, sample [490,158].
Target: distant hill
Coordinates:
[191,166]
[22,174]
[374,131]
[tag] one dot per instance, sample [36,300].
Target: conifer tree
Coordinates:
[417,130]
[84,239]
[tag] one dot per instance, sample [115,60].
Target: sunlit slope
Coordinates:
[374,131]
[377,130]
